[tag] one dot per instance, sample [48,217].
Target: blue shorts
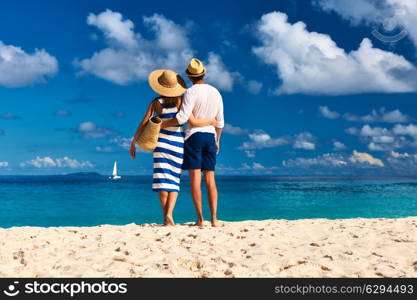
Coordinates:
[200,152]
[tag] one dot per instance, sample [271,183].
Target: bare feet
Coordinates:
[216,223]
[169,221]
[199,223]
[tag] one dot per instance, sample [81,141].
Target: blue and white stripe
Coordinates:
[168,155]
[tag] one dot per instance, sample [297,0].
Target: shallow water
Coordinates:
[87,201]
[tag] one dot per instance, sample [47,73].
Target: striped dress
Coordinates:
[168,155]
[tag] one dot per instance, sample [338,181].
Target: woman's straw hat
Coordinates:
[167,83]
[195,68]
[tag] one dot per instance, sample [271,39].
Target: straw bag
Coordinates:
[148,139]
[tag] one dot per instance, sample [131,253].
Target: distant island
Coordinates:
[89,174]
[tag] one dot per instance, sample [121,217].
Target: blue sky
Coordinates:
[318,87]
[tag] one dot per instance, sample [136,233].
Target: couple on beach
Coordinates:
[200,107]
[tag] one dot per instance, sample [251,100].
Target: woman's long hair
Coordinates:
[172,101]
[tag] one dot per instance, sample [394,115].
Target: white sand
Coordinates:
[270,248]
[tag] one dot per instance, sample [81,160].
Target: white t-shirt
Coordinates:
[205,102]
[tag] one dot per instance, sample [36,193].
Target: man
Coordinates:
[201,143]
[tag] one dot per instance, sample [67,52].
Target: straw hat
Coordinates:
[195,68]
[167,83]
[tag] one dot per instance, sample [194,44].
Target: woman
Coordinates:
[168,155]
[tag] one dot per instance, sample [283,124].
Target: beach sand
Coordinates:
[270,248]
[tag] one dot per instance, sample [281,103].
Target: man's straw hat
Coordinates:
[195,68]
[167,83]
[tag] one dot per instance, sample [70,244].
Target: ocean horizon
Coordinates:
[89,200]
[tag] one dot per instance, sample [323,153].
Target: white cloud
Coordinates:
[394,163]
[338,146]
[262,140]
[104,149]
[399,155]
[402,13]
[366,158]
[168,35]
[250,153]
[309,62]
[254,168]
[327,113]
[117,66]
[4,164]
[122,142]
[352,130]
[254,87]
[326,160]
[218,74]
[90,130]
[257,166]
[410,130]
[234,130]
[114,27]
[382,139]
[383,116]
[87,126]
[367,130]
[354,10]
[260,137]
[356,159]
[18,68]
[394,116]
[403,163]
[304,140]
[49,162]
[129,57]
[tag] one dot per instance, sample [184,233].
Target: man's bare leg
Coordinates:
[163,197]
[210,181]
[195,182]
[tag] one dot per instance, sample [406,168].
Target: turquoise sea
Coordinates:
[87,201]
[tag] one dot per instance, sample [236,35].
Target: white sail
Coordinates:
[114,175]
[115,169]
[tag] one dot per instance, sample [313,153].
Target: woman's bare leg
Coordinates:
[172,199]
[163,197]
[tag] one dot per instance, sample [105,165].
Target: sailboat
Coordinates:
[115,176]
